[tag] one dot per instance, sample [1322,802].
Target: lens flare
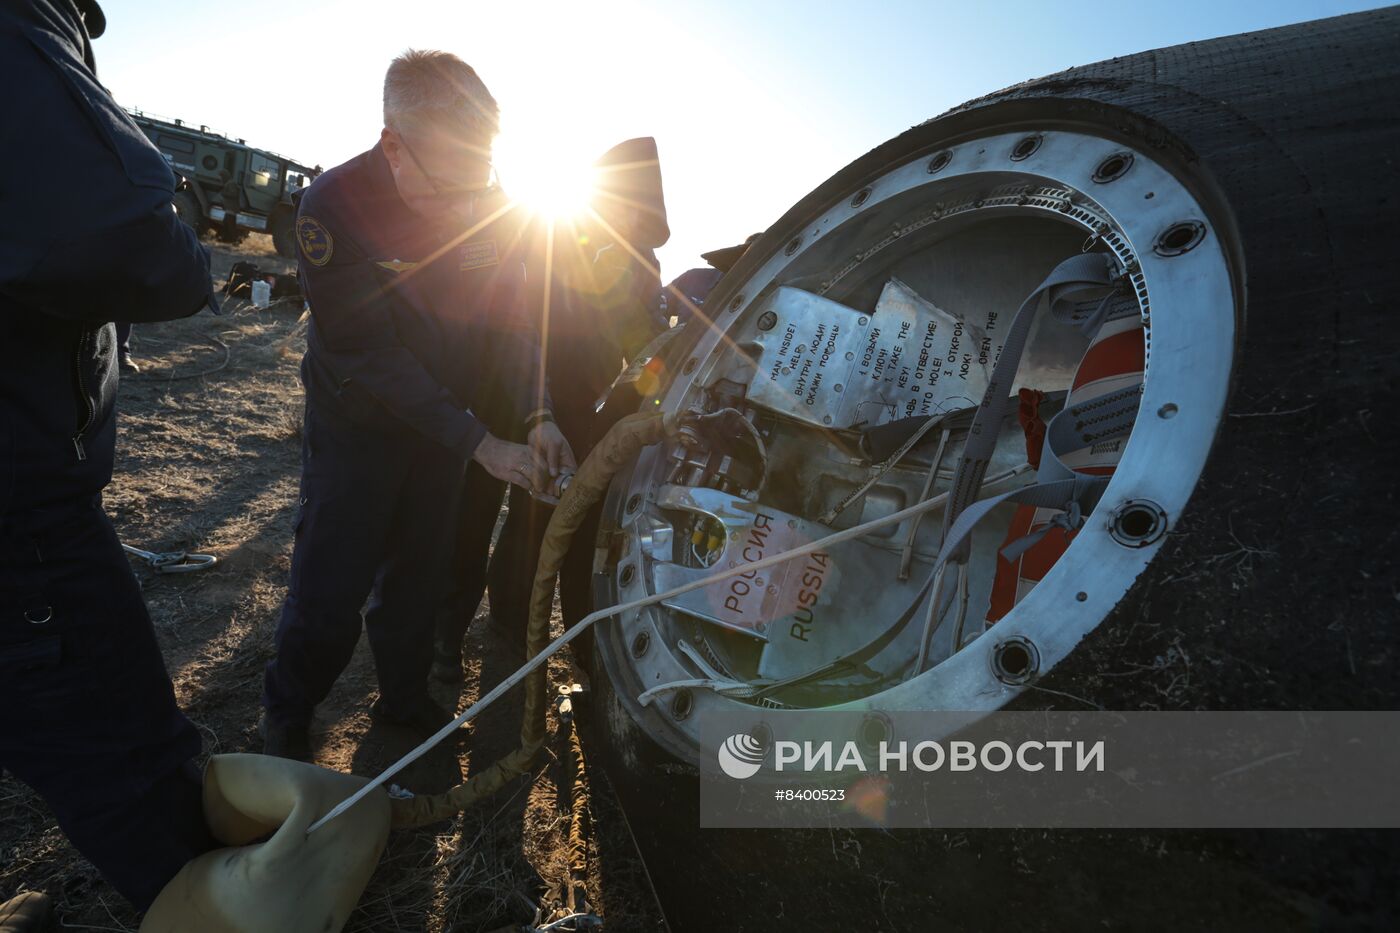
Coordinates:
[534,173]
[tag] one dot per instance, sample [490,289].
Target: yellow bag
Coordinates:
[289,883]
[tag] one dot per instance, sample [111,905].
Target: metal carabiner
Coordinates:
[173,561]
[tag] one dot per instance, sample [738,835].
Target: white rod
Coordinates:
[839,537]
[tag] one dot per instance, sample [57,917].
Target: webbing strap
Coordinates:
[1066,287]
[1081,491]
[1070,520]
[1088,422]
[1097,419]
[1093,313]
[1073,496]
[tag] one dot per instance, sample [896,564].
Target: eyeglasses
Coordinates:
[449,189]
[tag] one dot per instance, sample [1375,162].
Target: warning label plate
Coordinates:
[834,366]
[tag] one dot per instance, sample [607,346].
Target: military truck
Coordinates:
[217,169]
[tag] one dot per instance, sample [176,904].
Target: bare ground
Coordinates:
[208,458]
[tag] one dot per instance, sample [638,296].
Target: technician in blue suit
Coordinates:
[419,359]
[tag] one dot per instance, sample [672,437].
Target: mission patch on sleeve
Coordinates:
[315,240]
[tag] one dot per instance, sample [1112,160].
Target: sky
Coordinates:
[753,104]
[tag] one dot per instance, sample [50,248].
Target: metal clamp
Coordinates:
[562,483]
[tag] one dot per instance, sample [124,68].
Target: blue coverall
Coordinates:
[415,324]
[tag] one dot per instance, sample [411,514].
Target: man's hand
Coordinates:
[548,443]
[514,463]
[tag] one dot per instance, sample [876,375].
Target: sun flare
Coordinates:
[535,173]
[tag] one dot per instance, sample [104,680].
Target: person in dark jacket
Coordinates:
[687,292]
[87,712]
[418,360]
[602,274]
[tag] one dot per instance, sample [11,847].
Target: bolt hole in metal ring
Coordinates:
[628,573]
[641,644]
[681,704]
[634,503]
[1015,660]
[1113,168]
[939,162]
[1180,238]
[690,365]
[861,197]
[737,303]
[793,246]
[1026,147]
[1138,523]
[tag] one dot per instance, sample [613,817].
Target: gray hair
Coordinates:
[425,85]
